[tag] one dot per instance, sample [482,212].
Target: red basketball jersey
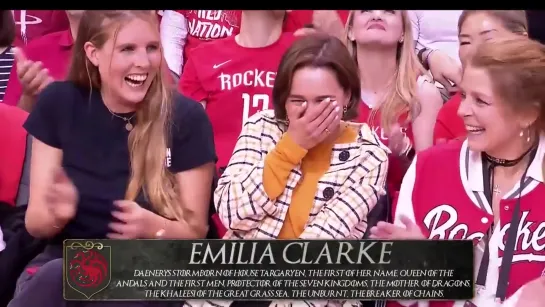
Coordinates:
[235,82]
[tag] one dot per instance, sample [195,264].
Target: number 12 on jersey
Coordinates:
[254,101]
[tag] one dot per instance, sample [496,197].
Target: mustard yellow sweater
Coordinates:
[314,163]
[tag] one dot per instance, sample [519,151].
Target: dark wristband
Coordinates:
[421,56]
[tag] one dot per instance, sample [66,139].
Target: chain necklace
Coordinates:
[127,120]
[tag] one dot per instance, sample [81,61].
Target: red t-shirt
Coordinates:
[396,167]
[32,24]
[235,82]
[208,25]
[449,125]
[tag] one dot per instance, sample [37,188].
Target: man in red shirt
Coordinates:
[32,24]
[184,30]
[42,61]
[233,77]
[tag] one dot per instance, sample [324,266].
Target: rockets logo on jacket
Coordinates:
[443,223]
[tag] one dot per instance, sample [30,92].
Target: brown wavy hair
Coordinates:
[148,140]
[317,50]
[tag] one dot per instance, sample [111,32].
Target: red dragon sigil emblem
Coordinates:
[87,268]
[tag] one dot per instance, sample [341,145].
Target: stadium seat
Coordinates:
[12,151]
[381,212]
[21,247]
[216,229]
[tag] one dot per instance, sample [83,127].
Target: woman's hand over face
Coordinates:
[310,125]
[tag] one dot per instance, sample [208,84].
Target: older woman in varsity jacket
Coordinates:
[490,187]
[301,172]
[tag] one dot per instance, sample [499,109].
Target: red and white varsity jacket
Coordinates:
[443,193]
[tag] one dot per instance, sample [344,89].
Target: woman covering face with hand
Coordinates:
[301,171]
[311,124]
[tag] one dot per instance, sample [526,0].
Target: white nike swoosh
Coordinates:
[220,64]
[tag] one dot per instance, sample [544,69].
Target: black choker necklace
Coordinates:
[504,162]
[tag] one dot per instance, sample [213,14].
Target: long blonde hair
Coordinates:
[401,94]
[148,140]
